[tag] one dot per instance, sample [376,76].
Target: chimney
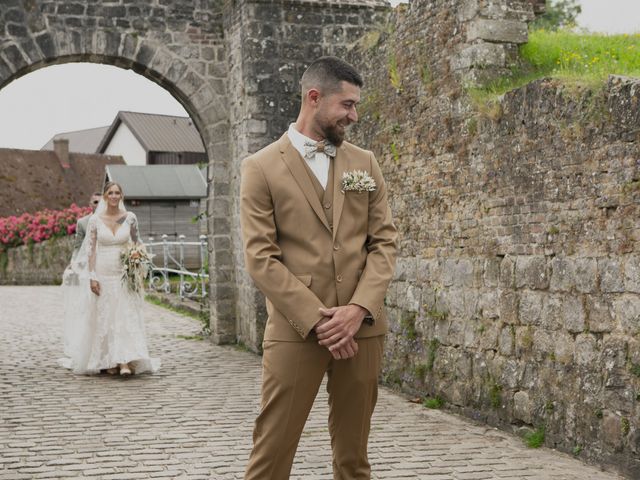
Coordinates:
[61,147]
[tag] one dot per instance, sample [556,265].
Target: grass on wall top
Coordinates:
[576,58]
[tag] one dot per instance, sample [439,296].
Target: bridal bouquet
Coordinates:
[136,263]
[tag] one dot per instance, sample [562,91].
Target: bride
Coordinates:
[104,325]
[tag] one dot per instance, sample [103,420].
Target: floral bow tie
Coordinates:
[310,149]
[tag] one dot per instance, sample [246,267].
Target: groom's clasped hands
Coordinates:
[337,329]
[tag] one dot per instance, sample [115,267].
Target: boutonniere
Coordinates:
[358,181]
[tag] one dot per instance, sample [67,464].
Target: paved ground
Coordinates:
[194,419]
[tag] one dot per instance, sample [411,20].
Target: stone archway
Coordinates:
[181,50]
[233,64]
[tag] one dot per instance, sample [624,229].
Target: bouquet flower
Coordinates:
[136,264]
[358,181]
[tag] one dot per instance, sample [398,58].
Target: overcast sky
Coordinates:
[69,97]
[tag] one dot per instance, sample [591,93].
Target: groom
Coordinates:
[322,250]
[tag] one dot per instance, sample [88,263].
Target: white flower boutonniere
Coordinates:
[358,181]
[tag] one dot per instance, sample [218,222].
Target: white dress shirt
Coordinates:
[319,164]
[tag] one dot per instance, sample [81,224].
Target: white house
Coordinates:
[152,139]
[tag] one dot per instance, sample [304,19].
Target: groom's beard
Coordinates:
[334,133]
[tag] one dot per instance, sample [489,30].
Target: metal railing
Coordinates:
[192,283]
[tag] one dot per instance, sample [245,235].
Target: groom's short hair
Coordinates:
[326,73]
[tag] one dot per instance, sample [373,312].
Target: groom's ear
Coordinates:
[313,96]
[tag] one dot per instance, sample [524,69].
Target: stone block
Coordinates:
[256,126]
[522,407]
[532,272]
[428,270]
[488,339]
[586,350]
[627,312]
[406,269]
[31,51]
[106,42]
[479,55]
[410,298]
[448,272]
[530,310]
[634,351]
[508,9]
[614,353]
[611,275]
[491,272]
[5,71]
[497,31]
[468,10]
[507,273]
[632,274]
[543,343]
[455,303]
[562,274]
[586,274]
[573,313]
[129,45]
[471,335]
[509,307]
[463,273]
[599,310]
[489,304]
[564,347]
[176,70]
[612,429]
[506,341]
[551,316]
[145,54]
[511,374]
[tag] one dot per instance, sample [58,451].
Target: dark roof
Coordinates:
[157,133]
[80,141]
[32,180]
[147,182]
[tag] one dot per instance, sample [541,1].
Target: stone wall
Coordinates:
[38,264]
[517,293]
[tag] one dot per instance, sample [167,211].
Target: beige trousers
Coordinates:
[291,376]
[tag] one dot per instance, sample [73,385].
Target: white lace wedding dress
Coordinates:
[104,330]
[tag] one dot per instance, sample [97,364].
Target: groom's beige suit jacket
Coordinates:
[303,258]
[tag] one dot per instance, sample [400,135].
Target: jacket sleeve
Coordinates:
[381,244]
[262,254]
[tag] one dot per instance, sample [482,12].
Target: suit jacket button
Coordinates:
[336,247]
[339,278]
[327,205]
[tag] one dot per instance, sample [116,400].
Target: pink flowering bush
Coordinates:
[31,228]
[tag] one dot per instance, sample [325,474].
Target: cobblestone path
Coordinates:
[194,419]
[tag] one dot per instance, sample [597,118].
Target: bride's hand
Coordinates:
[95,287]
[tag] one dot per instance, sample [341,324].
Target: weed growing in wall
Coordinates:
[535,439]
[394,74]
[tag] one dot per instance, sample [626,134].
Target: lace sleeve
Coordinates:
[92,235]
[135,237]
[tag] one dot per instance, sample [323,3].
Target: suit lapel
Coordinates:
[293,161]
[339,167]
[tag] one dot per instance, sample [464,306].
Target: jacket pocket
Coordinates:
[305,279]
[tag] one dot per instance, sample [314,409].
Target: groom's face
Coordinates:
[336,111]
